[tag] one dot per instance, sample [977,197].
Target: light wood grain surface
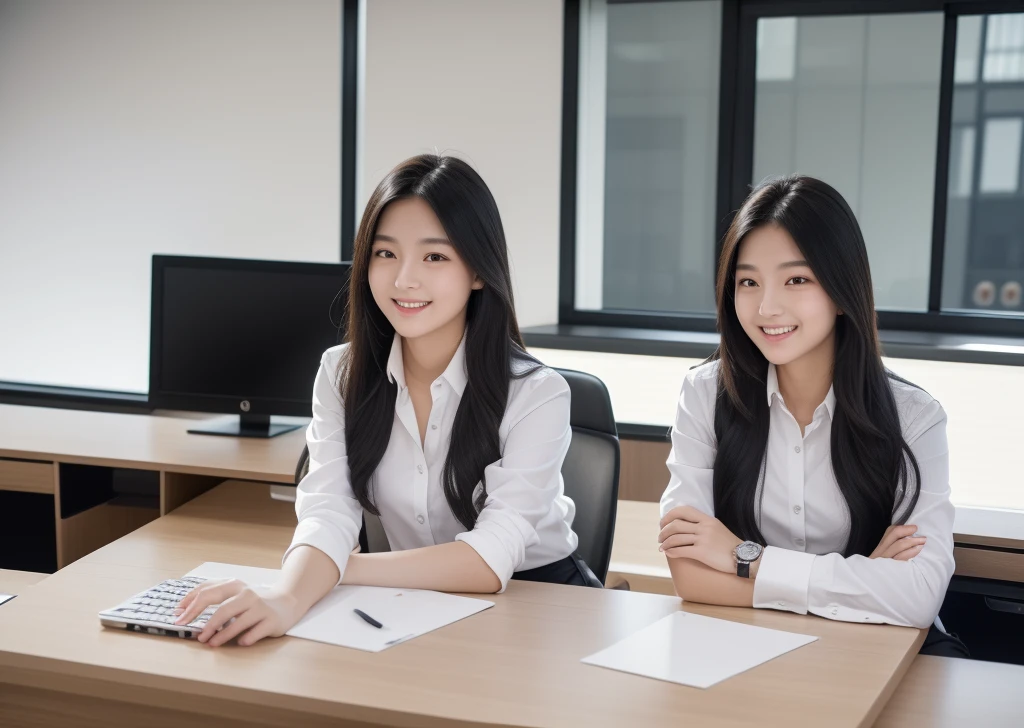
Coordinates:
[515,664]
[15,582]
[945,692]
[26,476]
[145,442]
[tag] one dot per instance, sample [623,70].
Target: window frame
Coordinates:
[737,85]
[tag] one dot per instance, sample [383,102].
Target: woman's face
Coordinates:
[779,302]
[416,276]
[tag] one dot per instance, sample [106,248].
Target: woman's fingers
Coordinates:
[679,539]
[250,617]
[227,611]
[260,631]
[908,554]
[207,596]
[892,535]
[902,545]
[676,526]
[684,513]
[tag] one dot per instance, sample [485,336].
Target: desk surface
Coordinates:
[145,442]
[515,664]
[16,582]
[944,692]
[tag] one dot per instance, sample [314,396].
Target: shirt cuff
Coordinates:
[323,537]
[493,551]
[783,580]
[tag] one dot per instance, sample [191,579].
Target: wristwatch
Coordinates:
[745,553]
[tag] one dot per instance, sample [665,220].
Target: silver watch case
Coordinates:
[748,551]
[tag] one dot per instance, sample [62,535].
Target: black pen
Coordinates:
[368,619]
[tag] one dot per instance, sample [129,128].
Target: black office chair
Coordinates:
[590,473]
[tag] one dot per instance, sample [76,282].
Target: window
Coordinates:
[984,247]
[913,110]
[221,137]
[854,100]
[647,148]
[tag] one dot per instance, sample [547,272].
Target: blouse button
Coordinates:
[419,468]
[797,448]
[799,542]
[420,519]
[797,509]
[433,427]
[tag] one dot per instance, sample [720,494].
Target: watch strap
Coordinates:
[743,569]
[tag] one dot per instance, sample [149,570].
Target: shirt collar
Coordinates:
[773,391]
[455,374]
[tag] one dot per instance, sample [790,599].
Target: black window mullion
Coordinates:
[946,83]
[729,74]
[570,116]
[349,112]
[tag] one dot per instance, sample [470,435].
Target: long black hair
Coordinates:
[872,462]
[495,352]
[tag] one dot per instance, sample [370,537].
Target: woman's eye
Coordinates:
[797,280]
[435,258]
[746,283]
[384,254]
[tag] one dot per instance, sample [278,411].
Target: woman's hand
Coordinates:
[689,534]
[899,543]
[258,612]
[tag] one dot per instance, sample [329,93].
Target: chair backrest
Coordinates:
[590,472]
[591,468]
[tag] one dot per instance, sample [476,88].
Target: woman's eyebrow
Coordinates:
[790,264]
[427,241]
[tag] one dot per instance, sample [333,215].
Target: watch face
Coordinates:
[748,551]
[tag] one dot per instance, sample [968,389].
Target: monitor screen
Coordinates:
[248,330]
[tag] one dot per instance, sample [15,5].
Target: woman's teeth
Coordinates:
[419,304]
[777,331]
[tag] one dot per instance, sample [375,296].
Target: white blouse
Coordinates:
[804,517]
[526,521]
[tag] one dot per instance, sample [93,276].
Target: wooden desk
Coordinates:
[143,442]
[517,664]
[35,442]
[16,582]
[944,692]
[936,692]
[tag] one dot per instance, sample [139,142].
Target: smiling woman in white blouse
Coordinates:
[805,476]
[432,416]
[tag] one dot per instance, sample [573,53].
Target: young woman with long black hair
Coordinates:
[804,475]
[432,416]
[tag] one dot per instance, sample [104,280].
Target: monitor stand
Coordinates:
[244,426]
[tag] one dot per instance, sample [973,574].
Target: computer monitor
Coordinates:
[241,336]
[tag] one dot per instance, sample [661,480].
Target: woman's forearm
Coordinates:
[696,582]
[449,567]
[306,576]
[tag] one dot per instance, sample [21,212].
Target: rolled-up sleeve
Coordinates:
[328,512]
[522,486]
[860,589]
[691,461]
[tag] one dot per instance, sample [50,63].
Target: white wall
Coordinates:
[130,127]
[481,79]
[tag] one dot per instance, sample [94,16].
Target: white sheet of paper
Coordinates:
[691,649]
[405,613]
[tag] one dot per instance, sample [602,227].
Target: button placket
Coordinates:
[797,488]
